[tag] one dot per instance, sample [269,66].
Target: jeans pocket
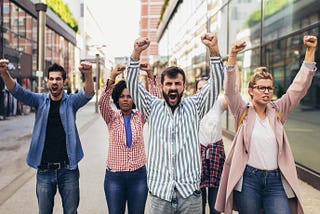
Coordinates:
[43,171]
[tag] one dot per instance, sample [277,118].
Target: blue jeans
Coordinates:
[120,187]
[178,204]
[212,197]
[262,189]
[67,182]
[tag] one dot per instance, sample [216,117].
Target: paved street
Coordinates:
[17,181]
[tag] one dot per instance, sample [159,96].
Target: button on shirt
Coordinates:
[173,148]
[120,157]
[69,106]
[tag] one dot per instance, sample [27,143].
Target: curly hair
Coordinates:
[117,90]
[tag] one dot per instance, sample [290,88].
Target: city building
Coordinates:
[274,33]
[150,16]
[19,41]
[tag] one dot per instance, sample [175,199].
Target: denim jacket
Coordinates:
[68,108]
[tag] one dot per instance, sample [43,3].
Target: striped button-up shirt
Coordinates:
[173,146]
[121,157]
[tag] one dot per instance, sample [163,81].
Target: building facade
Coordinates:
[18,44]
[150,15]
[273,30]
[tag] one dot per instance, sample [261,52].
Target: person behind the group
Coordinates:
[260,173]
[212,148]
[125,177]
[174,162]
[55,148]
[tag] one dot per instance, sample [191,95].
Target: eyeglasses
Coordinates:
[262,88]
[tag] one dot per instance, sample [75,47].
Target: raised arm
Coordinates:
[237,87]
[116,71]
[302,81]
[86,69]
[210,91]
[26,96]
[232,92]
[152,83]
[141,97]
[4,73]
[106,110]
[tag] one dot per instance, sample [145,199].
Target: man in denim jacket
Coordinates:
[55,148]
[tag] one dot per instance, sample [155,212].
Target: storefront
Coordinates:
[274,33]
[18,44]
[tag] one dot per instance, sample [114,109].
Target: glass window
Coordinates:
[245,24]
[284,17]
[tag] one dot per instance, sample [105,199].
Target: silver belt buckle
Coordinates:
[57,164]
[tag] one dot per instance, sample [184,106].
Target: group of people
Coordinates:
[185,156]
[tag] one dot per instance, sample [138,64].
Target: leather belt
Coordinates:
[55,165]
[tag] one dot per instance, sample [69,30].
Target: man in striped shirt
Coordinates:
[174,162]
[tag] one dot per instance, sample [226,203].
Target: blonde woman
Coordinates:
[260,173]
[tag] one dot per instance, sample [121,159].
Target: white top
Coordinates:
[210,129]
[263,146]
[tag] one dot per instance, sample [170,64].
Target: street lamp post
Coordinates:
[41,8]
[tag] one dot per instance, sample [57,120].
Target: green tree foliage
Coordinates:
[63,11]
[270,7]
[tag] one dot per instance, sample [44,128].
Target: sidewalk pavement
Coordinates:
[18,195]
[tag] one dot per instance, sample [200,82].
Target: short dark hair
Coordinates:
[172,72]
[57,68]
[117,90]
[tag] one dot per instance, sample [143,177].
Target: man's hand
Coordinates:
[139,45]
[310,42]
[6,77]
[237,47]
[147,68]
[85,67]
[3,66]
[211,41]
[116,71]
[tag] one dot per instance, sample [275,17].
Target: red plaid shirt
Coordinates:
[120,157]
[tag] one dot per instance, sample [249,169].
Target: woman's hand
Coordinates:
[118,69]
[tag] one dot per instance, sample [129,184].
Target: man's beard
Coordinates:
[167,99]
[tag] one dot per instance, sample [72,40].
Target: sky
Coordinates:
[119,24]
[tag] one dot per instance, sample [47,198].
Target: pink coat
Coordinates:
[239,154]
